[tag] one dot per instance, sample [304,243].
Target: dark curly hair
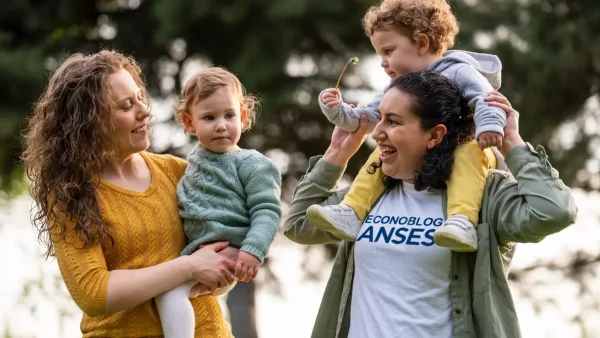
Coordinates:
[436,99]
[433,18]
[68,144]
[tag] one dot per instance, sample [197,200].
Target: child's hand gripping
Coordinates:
[489,139]
[331,97]
[246,268]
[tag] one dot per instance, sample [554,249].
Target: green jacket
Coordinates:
[525,209]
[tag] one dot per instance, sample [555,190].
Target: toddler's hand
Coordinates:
[489,139]
[331,97]
[246,267]
[352,105]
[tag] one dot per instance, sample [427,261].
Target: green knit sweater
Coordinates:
[230,197]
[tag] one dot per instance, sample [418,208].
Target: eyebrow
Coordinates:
[207,112]
[392,114]
[129,97]
[386,46]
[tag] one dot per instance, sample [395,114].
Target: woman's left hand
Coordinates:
[512,137]
[228,252]
[344,145]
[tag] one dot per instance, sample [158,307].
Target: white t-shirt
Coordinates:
[401,279]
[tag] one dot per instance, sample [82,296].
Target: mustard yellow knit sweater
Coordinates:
[147,231]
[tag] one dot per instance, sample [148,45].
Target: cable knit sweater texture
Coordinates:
[231,196]
[147,231]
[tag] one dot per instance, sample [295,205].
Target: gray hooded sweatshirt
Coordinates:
[475,73]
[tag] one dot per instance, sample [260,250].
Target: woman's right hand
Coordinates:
[512,137]
[210,268]
[344,145]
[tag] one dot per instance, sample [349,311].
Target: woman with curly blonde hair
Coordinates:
[106,208]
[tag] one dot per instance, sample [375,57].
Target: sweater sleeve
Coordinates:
[348,118]
[475,88]
[83,270]
[262,184]
[317,186]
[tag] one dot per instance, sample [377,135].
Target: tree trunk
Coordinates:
[240,302]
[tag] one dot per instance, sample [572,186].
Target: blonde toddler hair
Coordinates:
[208,81]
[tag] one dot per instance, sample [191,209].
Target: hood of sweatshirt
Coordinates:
[487,64]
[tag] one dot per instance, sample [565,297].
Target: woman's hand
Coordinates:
[228,252]
[208,267]
[512,137]
[344,145]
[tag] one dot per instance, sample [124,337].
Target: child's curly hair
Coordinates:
[433,18]
[208,81]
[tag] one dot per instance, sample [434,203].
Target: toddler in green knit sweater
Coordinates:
[227,193]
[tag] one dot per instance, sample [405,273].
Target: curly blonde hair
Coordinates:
[68,144]
[208,81]
[434,18]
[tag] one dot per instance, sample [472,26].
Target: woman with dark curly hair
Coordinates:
[411,36]
[393,281]
[106,208]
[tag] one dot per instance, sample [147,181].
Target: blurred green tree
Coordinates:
[549,50]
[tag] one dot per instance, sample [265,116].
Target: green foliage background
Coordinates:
[550,51]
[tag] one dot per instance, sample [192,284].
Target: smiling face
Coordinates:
[399,54]
[216,120]
[401,138]
[130,114]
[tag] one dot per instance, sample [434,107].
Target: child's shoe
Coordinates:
[217,292]
[457,234]
[340,220]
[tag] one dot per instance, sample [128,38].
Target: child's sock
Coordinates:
[340,220]
[457,234]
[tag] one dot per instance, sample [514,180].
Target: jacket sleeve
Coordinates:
[263,188]
[475,88]
[317,186]
[348,118]
[83,270]
[533,204]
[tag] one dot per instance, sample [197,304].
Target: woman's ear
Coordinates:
[187,123]
[437,134]
[422,43]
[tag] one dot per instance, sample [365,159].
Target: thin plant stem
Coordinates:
[353,60]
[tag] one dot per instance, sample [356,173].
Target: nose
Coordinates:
[220,125]
[378,133]
[143,111]
[384,63]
